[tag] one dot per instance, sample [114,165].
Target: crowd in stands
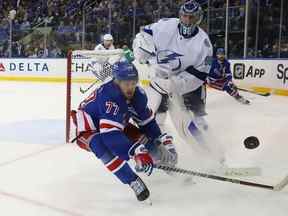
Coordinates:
[47,28]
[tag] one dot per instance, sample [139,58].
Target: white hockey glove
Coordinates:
[168,154]
[143,47]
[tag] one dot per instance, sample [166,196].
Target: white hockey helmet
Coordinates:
[108,37]
[190,15]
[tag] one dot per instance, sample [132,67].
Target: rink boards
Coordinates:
[262,75]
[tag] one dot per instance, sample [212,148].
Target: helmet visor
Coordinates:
[189,20]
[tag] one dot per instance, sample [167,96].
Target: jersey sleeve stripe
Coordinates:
[148,31]
[80,121]
[106,130]
[83,142]
[84,121]
[109,124]
[89,125]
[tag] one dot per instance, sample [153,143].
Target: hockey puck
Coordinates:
[251,142]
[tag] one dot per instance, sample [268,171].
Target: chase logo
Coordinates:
[169,57]
[239,71]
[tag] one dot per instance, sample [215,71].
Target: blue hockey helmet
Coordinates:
[220,54]
[220,51]
[193,9]
[123,70]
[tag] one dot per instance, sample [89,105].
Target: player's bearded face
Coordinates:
[128,88]
[221,57]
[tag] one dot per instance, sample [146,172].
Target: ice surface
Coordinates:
[40,175]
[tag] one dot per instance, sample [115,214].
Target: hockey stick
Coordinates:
[281,184]
[81,134]
[76,138]
[191,134]
[254,92]
[83,91]
[277,187]
[101,73]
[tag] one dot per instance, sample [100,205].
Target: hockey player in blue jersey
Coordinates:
[220,77]
[103,127]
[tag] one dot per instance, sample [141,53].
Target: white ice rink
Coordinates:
[42,176]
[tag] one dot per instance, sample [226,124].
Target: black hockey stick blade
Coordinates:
[81,134]
[83,91]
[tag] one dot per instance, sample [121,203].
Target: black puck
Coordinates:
[251,142]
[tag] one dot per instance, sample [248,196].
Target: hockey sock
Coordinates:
[120,168]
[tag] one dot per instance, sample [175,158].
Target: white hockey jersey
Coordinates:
[180,55]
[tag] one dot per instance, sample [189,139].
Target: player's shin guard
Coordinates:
[196,100]
[119,168]
[123,171]
[116,165]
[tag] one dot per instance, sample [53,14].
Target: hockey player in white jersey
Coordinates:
[179,56]
[180,53]
[107,43]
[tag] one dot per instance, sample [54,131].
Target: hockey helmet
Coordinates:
[220,53]
[108,37]
[123,70]
[190,15]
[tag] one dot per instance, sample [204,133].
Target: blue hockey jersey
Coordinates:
[110,111]
[220,71]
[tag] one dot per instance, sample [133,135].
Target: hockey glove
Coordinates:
[168,154]
[144,162]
